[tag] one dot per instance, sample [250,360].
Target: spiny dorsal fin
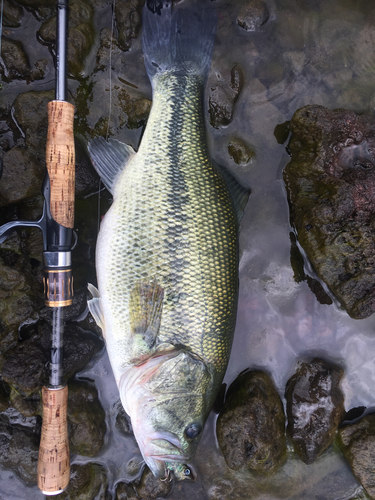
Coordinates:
[95,306]
[109,159]
[145,308]
[239,194]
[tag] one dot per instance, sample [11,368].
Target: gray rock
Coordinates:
[86,419]
[22,176]
[150,488]
[87,482]
[358,445]
[12,14]
[16,62]
[128,19]
[123,421]
[81,34]
[222,97]
[315,407]
[253,16]
[330,184]
[251,427]
[240,151]
[19,449]
[125,492]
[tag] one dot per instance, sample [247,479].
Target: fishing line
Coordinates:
[110,68]
[110,101]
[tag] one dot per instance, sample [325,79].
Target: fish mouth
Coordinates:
[163,447]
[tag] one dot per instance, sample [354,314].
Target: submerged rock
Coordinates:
[358,445]
[19,449]
[253,16]
[240,151]
[86,419]
[125,492]
[88,481]
[222,97]
[251,427]
[16,62]
[150,488]
[315,407]
[123,421]
[128,19]
[81,34]
[331,189]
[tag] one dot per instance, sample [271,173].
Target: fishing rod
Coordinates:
[56,224]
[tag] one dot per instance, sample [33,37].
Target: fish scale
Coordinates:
[177,227]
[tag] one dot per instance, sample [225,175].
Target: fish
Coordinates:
[167,249]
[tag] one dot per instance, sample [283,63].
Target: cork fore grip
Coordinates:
[54,459]
[60,160]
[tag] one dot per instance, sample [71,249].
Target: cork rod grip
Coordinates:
[54,463]
[60,159]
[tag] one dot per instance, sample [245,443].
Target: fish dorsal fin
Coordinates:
[109,159]
[95,306]
[239,193]
[145,310]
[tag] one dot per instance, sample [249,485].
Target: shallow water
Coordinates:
[308,52]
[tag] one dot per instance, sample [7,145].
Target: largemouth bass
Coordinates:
[167,250]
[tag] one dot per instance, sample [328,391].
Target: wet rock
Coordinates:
[86,419]
[87,481]
[16,62]
[19,449]
[30,112]
[25,367]
[358,445]
[81,34]
[315,407]
[79,348]
[123,421]
[17,65]
[240,151]
[222,97]
[128,20]
[331,184]
[87,180]
[253,16]
[12,14]
[4,395]
[18,298]
[135,107]
[22,176]
[125,492]
[251,428]
[150,488]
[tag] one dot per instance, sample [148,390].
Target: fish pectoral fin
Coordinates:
[109,159]
[95,306]
[239,193]
[145,308]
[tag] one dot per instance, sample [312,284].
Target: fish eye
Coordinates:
[193,431]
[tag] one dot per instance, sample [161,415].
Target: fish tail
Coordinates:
[176,38]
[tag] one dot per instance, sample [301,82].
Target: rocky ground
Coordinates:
[330,188]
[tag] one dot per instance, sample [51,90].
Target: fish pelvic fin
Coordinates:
[145,311]
[95,306]
[238,193]
[109,159]
[178,38]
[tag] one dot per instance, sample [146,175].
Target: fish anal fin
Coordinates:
[109,159]
[145,308]
[94,306]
